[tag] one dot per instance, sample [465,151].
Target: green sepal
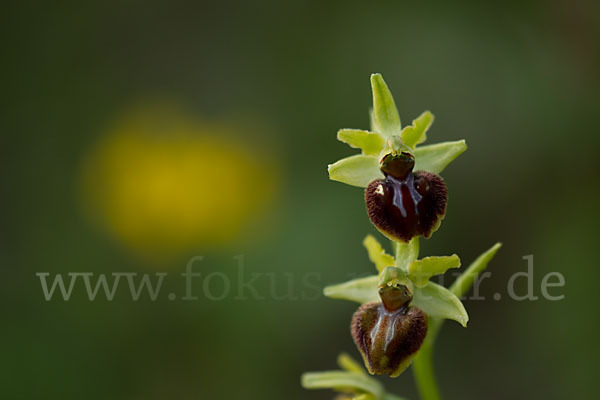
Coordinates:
[386,120]
[438,302]
[419,271]
[342,381]
[460,287]
[361,385]
[370,143]
[435,157]
[361,290]
[416,133]
[358,170]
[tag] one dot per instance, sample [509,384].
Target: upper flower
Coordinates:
[405,204]
[387,136]
[400,203]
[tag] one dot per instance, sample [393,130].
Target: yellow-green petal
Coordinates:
[365,396]
[350,364]
[370,143]
[416,133]
[377,254]
[420,271]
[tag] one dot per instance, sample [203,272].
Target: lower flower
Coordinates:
[389,334]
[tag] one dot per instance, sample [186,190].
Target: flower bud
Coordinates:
[389,334]
[405,203]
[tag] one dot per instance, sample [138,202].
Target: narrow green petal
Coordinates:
[342,380]
[370,143]
[435,157]
[350,364]
[439,302]
[406,253]
[420,271]
[464,282]
[377,254]
[361,290]
[416,133]
[385,113]
[358,170]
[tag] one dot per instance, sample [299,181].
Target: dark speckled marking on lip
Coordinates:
[386,338]
[389,333]
[405,203]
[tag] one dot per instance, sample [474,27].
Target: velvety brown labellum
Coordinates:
[388,338]
[405,203]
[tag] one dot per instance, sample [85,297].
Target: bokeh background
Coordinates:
[137,134]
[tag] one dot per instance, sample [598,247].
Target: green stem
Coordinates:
[423,364]
[424,376]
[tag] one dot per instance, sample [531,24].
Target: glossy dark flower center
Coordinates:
[405,203]
[394,297]
[398,165]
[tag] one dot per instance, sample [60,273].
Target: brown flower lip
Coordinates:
[405,203]
[390,333]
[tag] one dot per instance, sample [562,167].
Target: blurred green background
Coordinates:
[137,134]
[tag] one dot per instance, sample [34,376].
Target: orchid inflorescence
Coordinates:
[401,310]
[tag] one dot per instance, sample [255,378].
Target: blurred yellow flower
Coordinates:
[164,183]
